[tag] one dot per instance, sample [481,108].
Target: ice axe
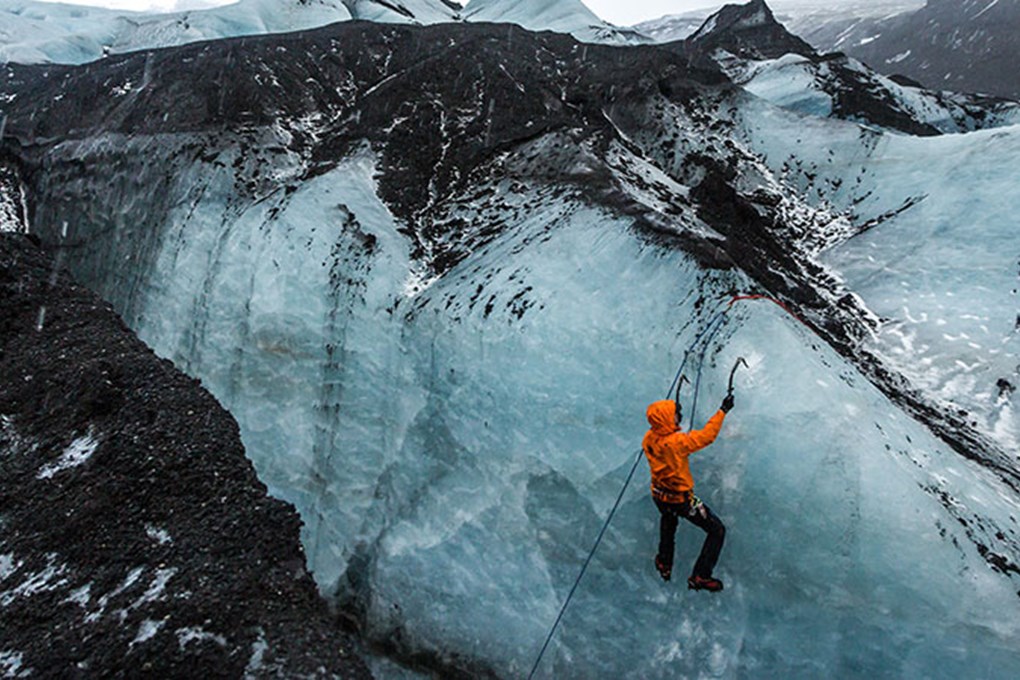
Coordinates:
[676,397]
[680,383]
[736,365]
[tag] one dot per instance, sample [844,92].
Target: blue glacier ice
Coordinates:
[452,466]
[454,438]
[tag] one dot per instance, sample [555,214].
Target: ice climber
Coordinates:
[667,449]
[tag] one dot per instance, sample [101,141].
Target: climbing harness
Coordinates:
[708,333]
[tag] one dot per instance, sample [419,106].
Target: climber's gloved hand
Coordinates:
[727,403]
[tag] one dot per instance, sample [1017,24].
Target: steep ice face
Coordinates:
[845,88]
[402,11]
[41,32]
[453,453]
[448,377]
[935,254]
[563,16]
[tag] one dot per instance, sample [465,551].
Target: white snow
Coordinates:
[46,580]
[12,198]
[255,662]
[156,588]
[158,534]
[8,565]
[193,634]
[11,663]
[80,596]
[129,580]
[77,453]
[146,631]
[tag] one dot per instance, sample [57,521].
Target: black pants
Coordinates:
[698,514]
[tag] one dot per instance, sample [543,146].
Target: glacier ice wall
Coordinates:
[453,437]
[454,448]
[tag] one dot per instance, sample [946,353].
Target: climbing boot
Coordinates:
[710,584]
[665,570]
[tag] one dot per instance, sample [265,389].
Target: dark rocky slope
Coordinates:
[739,34]
[135,538]
[962,45]
[748,30]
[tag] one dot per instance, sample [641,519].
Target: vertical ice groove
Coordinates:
[349,264]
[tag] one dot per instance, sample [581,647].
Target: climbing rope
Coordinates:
[711,328]
[584,568]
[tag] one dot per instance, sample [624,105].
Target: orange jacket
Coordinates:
[667,447]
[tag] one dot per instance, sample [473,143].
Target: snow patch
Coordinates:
[258,650]
[79,451]
[80,596]
[12,198]
[158,534]
[129,581]
[185,636]
[156,588]
[7,565]
[10,665]
[48,579]
[417,282]
[122,90]
[146,631]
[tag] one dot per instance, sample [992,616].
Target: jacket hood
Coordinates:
[662,417]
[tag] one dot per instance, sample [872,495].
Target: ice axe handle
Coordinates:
[736,365]
[680,383]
